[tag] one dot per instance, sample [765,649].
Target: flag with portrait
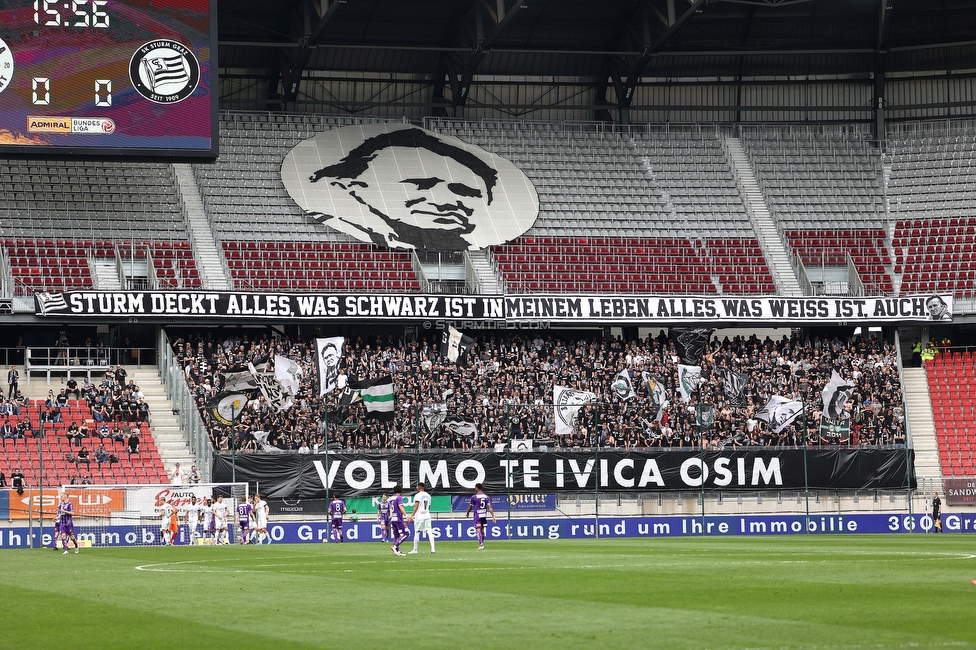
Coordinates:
[329,353]
[835,395]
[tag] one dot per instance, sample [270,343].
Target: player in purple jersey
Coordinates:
[337,508]
[57,527]
[66,510]
[244,510]
[398,520]
[383,515]
[481,504]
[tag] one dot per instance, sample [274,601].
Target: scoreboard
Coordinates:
[108,77]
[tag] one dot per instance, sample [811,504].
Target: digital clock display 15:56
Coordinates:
[77,13]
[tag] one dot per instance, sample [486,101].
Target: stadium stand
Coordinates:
[58,451]
[931,190]
[522,371]
[952,383]
[89,200]
[817,181]
[319,266]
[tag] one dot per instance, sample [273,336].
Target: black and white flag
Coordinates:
[566,405]
[239,381]
[835,395]
[462,428]
[278,397]
[329,357]
[780,412]
[434,415]
[288,373]
[623,386]
[734,385]
[50,302]
[692,343]
[455,346]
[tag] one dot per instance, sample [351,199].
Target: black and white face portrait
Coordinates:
[401,186]
[937,308]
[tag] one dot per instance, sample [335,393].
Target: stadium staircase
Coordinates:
[170,441]
[487,280]
[200,230]
[952,384]
[772,244]
[105,275]
[918,407]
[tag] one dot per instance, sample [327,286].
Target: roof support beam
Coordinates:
[305,52]
[484,46]
[880,67]
[645,58]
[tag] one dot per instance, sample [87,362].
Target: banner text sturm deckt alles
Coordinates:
[355,475]
[556,309]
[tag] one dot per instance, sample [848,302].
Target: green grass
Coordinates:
[772,592]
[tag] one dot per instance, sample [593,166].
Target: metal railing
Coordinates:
[184,406]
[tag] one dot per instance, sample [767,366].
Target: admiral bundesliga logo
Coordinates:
[164,71]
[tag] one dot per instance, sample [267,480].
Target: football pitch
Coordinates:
[864,591]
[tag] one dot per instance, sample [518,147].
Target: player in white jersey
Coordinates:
[206,514]
[220,511]
[169,527]
[191,513]
[421,517]
[261,511]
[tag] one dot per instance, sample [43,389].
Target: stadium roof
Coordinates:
[613,45]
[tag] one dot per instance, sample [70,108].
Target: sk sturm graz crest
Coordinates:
[6,65]
[164,71]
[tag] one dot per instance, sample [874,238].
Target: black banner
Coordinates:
[467,311]
[368,474]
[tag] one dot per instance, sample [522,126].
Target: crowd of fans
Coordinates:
[117,407]
[506,391]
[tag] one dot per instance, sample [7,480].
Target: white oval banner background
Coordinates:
[401,186]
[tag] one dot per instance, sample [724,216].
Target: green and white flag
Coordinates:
[688,378]
[377,396]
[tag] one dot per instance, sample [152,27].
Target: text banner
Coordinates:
[452,530]
[461,309]
[371,474]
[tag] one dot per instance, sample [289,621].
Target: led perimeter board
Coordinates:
[108,78]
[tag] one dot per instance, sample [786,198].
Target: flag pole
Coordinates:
[806,474]
[233,446]
[508,479]
[596,435]
[325,419]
